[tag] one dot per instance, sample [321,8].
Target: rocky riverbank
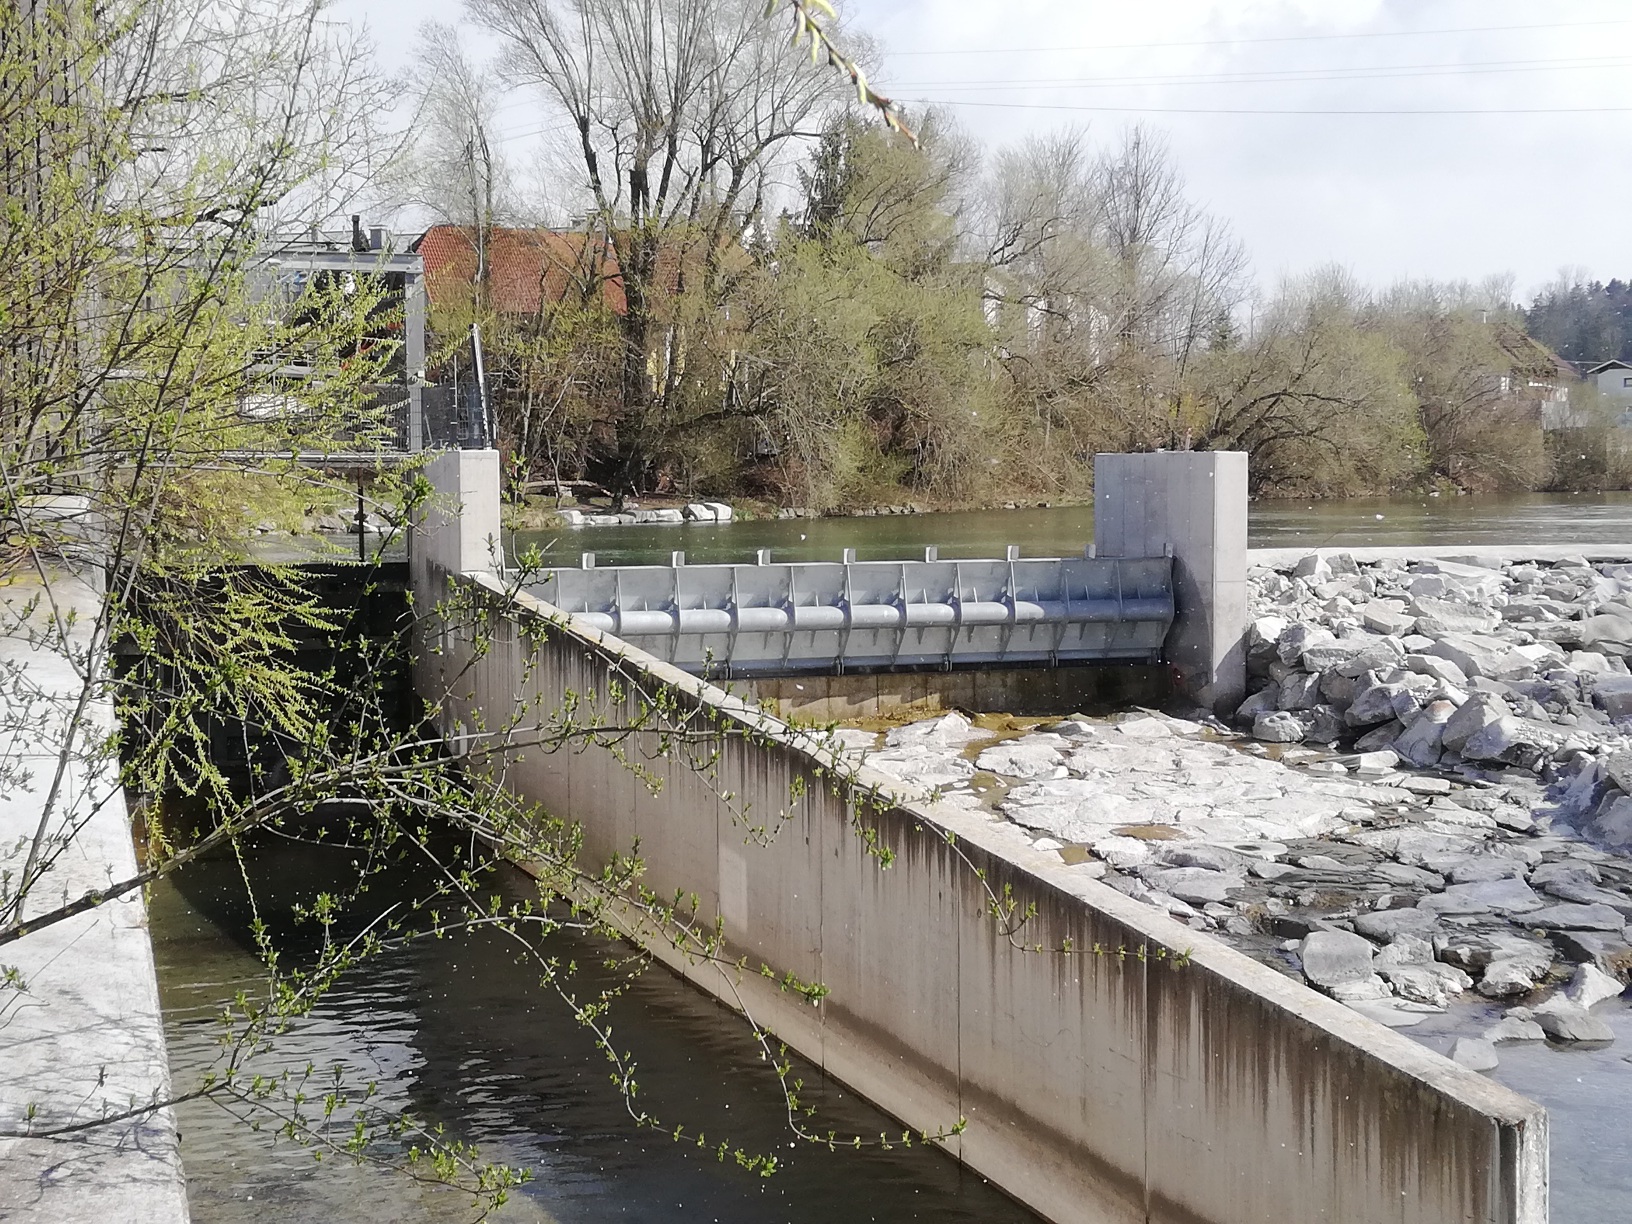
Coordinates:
[1423,808]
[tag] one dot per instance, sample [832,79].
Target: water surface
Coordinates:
[460,1033]
[1063,531]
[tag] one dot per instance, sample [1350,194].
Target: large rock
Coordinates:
[1515,1028]
[1297,638]
[1379,737]
[1388,925]
[1029,757]
[1482,656]
[1480,868]
[1467,954]
[1195,885]
[1278,727]
[1508,978]
[1591,986]
[1582,893]
[948,731]
[1432,984]
[1298,691]
[1439,618]
[1589,663]
[1437,668]
[1619,768]
[1609,635]
[1313,567]
[1485,897]
[1373,703]
[1319,656]
[1563,1020]
[1612,824]
[1323,725]
[1575,918]
[1613,695]
[918,765]
[1338,689]
[1608,952]
[1513,741]
[1335,958]
[1422,742]
[1374,654]
[1200,854]
[1474,1054]
[1565,870]
[1479,711]
[1264,701]
[1583,791]
[1387,616]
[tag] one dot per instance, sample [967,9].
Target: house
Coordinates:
[1540,378]
[526,270]
[1613,379]
[1614,382]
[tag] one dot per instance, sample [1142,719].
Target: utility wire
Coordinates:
[1281,38]
[1269,76]
[1241,110]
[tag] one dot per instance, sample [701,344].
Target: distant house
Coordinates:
[1614,382]
[527,270]
[1540,378]
[1614,379]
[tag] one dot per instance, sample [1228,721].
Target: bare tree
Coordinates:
[679,112]
[456,169]
[1103,281]
[1177,266]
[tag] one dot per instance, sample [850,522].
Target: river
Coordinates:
[460,1033]
[1533,518]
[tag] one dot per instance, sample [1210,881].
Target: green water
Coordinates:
[458,1032]
[1537,518]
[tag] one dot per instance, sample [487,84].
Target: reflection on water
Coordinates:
[457,1031]
[1538,518]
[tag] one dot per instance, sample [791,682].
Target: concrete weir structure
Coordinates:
[1111,1064]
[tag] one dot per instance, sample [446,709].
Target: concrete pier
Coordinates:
[1193,505]
[85,1039]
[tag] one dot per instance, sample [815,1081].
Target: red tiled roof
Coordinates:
[526,267]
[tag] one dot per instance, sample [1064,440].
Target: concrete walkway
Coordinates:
[84,1039]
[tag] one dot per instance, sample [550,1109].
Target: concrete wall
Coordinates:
[457,530]
[87,1040]
[1097,1088]
[1193,503]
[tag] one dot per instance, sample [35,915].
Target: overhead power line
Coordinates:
[1385,72]
[1280,38]
[1249,110]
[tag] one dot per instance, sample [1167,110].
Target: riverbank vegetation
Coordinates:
[936,322]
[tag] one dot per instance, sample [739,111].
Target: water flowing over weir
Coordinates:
[1179,1081]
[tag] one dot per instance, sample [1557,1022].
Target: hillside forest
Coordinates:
[939,323]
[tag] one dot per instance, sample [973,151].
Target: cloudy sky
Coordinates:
[1429,138]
